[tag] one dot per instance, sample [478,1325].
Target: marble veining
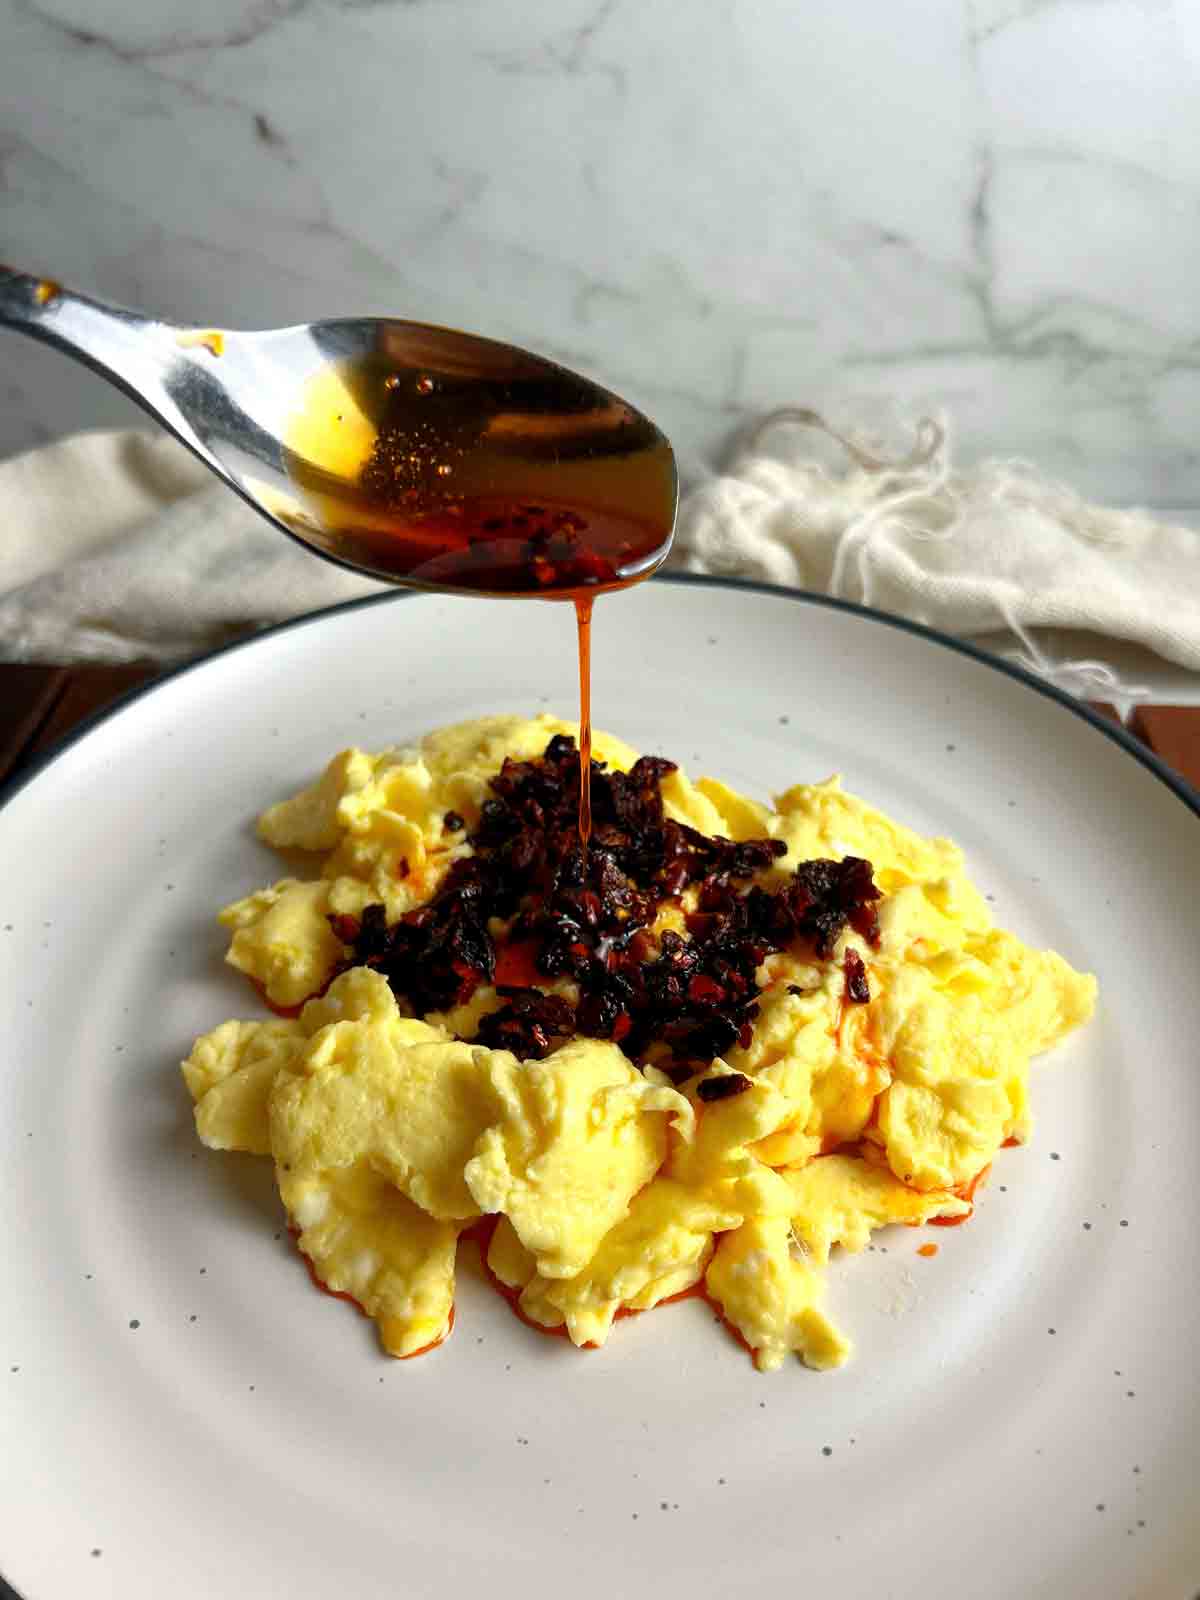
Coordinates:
[982,206]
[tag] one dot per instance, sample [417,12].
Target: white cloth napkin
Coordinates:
[120,546]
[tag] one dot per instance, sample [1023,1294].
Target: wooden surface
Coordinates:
[40,704]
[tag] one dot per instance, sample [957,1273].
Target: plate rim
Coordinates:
[1115,732]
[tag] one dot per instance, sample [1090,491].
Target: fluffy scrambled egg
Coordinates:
[600,1189]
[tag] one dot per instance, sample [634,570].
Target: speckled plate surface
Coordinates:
[183,1415]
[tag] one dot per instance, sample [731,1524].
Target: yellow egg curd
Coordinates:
[598,1184]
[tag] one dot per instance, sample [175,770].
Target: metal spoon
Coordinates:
[306,423]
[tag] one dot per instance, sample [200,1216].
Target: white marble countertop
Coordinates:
[982,205]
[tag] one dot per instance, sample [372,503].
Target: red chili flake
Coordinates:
[723,1087]
[402,867]
[865,921]
[857,988]
[345,928]
[705,991]
[674,879]
[530,1025]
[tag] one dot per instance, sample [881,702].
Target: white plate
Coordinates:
[183,1415]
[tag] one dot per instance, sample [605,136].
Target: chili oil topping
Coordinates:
[590,917]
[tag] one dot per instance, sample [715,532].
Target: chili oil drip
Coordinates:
[583,618]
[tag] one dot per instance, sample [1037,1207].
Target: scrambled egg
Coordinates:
[604,1189]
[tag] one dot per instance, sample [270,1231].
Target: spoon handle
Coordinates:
[150,361]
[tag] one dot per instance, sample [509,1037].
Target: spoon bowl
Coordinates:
[422,455]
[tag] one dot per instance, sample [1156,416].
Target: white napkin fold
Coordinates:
[119,546]
[995,547]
